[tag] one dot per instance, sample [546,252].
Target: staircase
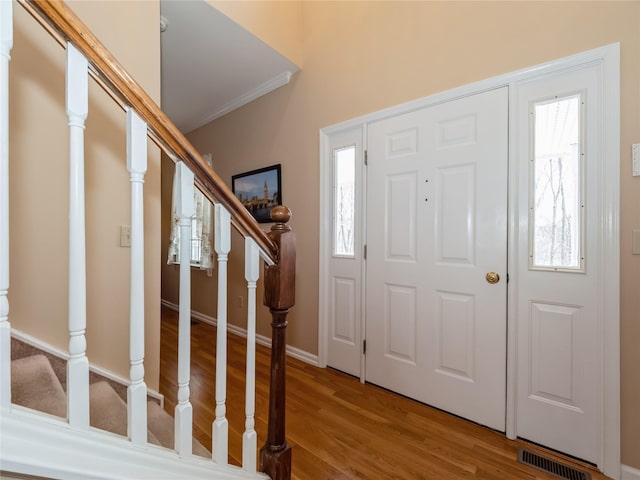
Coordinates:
[74,426]
[38,385]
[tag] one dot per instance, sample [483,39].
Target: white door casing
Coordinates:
[608,60]
[436,225]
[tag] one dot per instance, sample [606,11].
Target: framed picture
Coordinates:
[259,191]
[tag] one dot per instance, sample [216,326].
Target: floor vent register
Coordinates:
[548,465]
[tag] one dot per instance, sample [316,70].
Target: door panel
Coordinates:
[400,323]
[344,309]
[456,322]
[401,230]
[559,363]
[436,224]
[344,343]
[455,215]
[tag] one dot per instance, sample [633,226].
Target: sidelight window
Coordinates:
[557,196]
[344,167]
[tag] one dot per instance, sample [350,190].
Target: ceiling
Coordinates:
[211,65]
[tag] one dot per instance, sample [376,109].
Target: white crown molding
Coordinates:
[293,352]
[267,87]
[56,352]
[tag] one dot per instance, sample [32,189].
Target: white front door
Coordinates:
[436,237]
[560,304]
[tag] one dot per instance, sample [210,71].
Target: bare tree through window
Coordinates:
[557,202]
[344,201]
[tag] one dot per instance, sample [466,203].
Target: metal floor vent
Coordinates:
[548,465]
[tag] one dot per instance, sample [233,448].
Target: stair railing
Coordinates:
[86,55]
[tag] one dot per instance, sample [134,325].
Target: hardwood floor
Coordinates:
[339,428]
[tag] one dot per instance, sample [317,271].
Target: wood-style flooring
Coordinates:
[339,428]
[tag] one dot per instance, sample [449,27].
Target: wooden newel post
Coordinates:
[279,296]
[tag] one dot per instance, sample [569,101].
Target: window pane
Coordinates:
[196,235]
[556,211]
[344,201]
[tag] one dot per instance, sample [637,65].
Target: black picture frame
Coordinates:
[255,190]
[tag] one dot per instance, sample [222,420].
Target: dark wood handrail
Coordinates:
[65,26]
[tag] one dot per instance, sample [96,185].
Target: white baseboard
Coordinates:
[293,352]
[629,473]
[39,344]
[57,352]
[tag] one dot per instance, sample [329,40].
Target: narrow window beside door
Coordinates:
[344,160]
[556,198]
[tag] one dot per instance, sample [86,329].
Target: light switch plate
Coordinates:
[125,236]
[635,243]
[635,159]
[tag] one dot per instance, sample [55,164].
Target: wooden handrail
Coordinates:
[65,26]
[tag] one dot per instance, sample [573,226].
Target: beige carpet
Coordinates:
[36,384]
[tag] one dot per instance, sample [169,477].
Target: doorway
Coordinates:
[562,320]
[436,302]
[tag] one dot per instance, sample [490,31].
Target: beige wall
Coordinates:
[360,57]
[278,24]
[40,186]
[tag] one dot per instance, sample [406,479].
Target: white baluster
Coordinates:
[184,411]
[137,390]
[220,428]
[78,364]
[6,43]
[250,437]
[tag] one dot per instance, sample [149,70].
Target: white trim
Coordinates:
[293,352]
[512,269]
[610,262]
[57,352]
[35,342]
[630,473]
[104,455]
[267,87]
[324,247]
[609,57]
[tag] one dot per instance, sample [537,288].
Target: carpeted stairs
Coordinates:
[38,382]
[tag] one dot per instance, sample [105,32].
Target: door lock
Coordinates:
[492,277]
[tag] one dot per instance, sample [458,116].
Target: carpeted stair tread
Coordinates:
[34,385]
[107,410]
[162,425]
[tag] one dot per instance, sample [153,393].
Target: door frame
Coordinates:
[608,60]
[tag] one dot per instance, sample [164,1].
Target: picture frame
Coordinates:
[259,191]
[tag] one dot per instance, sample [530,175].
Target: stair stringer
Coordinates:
[41,445]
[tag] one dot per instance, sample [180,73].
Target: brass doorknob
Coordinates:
[492,277]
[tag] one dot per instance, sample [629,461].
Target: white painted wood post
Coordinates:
[6,43]
[137,390]
[184,411]
[250,436]
[220,427]
[78,365]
